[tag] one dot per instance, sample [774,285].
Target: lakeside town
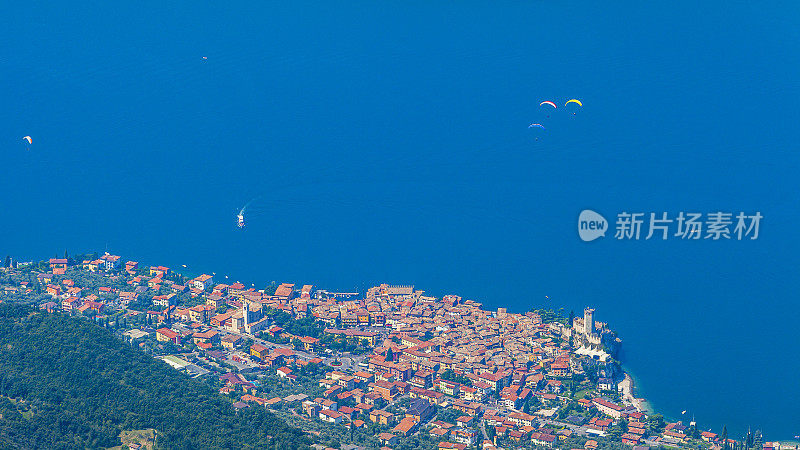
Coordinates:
[391,367]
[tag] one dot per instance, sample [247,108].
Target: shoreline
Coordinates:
[626,386]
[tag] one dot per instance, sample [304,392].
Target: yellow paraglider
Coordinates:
[28,140]
[573,101]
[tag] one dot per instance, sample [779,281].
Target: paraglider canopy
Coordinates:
[28,139]
[548,102]
[573,101]
[536,125]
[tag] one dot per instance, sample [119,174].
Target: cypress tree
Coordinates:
[490,432]
[725,437]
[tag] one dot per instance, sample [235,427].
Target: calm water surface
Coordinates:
[390,143]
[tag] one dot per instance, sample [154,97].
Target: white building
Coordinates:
[110,262]
[202,282]
[331,416]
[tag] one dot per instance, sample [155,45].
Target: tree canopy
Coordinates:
[68,383]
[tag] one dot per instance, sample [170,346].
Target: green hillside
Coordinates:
[68,383]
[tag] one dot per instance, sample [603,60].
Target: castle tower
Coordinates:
[588,321]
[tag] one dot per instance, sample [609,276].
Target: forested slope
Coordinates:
[69,383]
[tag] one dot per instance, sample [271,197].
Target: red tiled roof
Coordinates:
[167,332]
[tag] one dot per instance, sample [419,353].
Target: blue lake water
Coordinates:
[389,143]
